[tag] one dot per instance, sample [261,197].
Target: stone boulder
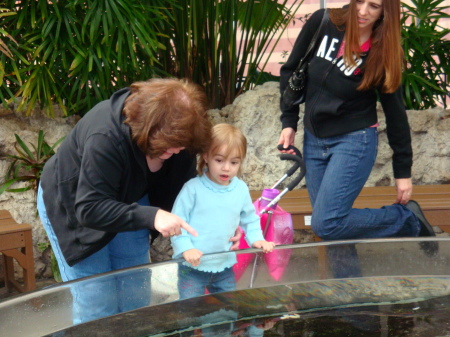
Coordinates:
[22,206]
[256,113]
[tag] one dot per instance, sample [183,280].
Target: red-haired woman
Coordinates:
[115,178]
[357,60]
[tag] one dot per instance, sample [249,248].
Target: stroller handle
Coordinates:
[297,158]
[298,163]
[290,147]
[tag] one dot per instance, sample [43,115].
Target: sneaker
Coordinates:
[425,227]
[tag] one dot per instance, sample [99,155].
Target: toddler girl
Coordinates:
[215,203]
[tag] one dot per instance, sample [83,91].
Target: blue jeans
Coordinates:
[105,296]
[336,170]
[193,282]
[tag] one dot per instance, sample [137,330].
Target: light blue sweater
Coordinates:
[215,211]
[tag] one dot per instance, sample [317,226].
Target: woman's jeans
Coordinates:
[193,282]
[336,170]
[106,295]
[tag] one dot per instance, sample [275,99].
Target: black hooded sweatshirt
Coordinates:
[92,184]
[333,106]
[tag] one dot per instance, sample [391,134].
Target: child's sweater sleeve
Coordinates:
[182,207]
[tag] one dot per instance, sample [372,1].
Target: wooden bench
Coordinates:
[16,243]
[433,199]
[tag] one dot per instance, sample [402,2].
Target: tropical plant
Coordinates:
[3,47]
[76,53]
[220,44]
[27,166]
[4,50]
[427,52]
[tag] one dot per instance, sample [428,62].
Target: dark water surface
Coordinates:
[386,287]
[430,318]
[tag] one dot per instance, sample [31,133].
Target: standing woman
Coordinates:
[357,60]
[113,180]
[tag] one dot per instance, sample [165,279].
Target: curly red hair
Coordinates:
[165,113]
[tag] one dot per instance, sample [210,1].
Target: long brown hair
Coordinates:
[385,60]
[165,113]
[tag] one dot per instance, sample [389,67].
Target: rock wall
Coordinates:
[257,114]
[22,206]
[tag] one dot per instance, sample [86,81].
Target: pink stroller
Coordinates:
[275,223]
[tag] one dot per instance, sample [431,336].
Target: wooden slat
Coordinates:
[433,199]
[12,240]
[370,191]
[4,214]
[417,189]
[16,243]
[10,226]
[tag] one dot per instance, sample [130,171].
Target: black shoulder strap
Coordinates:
[314,39]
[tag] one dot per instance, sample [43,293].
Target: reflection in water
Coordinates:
[193,282]
[344,261]
[429,318]
[110,295]
[329,307]
[351,288]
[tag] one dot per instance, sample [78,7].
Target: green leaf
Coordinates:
[426,51]
[19,190]
[4,186]
[24,147]
[77,61]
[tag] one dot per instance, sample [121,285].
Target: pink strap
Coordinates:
[364,47]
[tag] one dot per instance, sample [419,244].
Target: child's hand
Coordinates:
[266,246]
[193,256]
[236,239]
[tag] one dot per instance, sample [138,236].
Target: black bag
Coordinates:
[294,94]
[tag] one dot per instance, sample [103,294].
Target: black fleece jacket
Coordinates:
[333,106]
[92,184]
